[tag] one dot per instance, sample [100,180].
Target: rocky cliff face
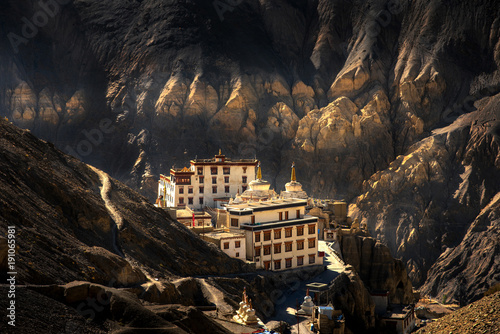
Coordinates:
[341,87]
[436,207]
[377,268]
[348,90]
[349,294]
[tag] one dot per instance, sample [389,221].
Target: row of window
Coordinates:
[288,247]
[311,229]
[237,244]
[190,201]
[215,170]
[214,181]
[288,262]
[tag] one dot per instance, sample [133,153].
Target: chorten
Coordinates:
[294,188]
[307,306]
[246,313]
[258,189]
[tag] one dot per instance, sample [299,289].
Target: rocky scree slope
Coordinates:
[479,317]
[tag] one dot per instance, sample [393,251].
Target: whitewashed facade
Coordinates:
[207,182]
[278,234]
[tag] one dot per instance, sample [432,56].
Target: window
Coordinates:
[190,200]
[277,248]
[277,234]
[234,222]
[213,170]
[288,263]
[226,245]
[202,189]
[237,254]
[277,264]
[214,180]
[267,250]
[257,236]
[267,265]
[201,200]
[243,179]
[200,170]
[286,215]
[300,244]
[237,244]
[226,179]
[288,246]
[190,190]
[280,215]
[312,258]
[312,243]
[267,235]
[257,251]
[214,190]
[253,220]
[243,188]
[300,260]
[226,170]
[244,169]
[288,232]
[181,200]
[202,179]
[226,189]
[297,214]
[181,190]
[300,230]
[312,229]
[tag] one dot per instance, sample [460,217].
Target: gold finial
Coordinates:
[220,151]
[259,172]
[307,292]
[293,178]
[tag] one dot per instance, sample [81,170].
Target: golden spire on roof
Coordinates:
[259,172]
[293,178]
[220,151]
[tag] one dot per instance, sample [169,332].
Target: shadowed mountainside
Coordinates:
[64,230]
[350,90]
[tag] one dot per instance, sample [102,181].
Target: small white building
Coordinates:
[400,318]
[233,244]
[207,182]
[278,234]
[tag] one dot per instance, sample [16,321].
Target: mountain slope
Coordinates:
[65,231]
[437,207]
[347,89]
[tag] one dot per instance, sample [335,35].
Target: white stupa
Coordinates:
[307,306]
[293,188]
[258,189]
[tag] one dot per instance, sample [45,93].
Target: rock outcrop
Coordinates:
[377,268]
[349,294]
[436,207]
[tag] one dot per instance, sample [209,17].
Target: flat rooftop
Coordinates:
[184,213]
[250,207]
[223,235]
[398,312]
